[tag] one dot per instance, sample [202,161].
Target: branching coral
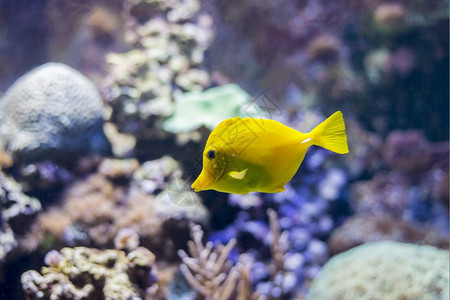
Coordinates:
[209,271]
[278,249]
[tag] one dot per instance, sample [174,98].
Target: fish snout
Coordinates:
[196,187]
[202,182]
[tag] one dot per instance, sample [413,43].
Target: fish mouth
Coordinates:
[197,187]
[203,182]
[209,176]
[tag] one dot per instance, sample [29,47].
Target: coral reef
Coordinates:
[152,176]
[361,229]
[366,155]
[47,175]
[169,41]
[118,169]
[325,60]
[384,193]
[7,241]
[389,17]
[152,201]
[169,71]
[53,112]
[408,151]
[408,182]
[122,144]
[279,53]
[86,273]
[402,59]
[126,239]
[17,214]
[5,160]
[324,48]
[384,270]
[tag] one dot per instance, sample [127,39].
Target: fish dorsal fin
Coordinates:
[220,131]
[229,122]
[238,175]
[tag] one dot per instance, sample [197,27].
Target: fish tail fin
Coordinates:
[330,134]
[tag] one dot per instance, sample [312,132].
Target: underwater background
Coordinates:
[105,108]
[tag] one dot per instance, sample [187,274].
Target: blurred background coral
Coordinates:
[105,107]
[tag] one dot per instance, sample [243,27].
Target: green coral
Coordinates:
[384,270]
[207,108]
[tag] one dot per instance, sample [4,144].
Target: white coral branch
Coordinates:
[210,273]
[207,269]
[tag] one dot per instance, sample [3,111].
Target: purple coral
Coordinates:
[407,151]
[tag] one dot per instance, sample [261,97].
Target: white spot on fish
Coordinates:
[238,175]
[305,141]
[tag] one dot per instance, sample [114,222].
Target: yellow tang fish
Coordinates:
[243,155]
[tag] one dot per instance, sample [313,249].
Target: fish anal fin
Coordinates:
[274,190]
[238,175]
[278,190]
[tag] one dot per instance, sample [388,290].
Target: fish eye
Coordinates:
[211,154]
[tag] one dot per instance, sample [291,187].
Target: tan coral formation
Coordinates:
[86,273]
[384,270]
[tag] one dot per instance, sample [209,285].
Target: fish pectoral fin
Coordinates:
[238,175]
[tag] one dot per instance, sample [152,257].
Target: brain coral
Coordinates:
[52,112]
[384,270]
